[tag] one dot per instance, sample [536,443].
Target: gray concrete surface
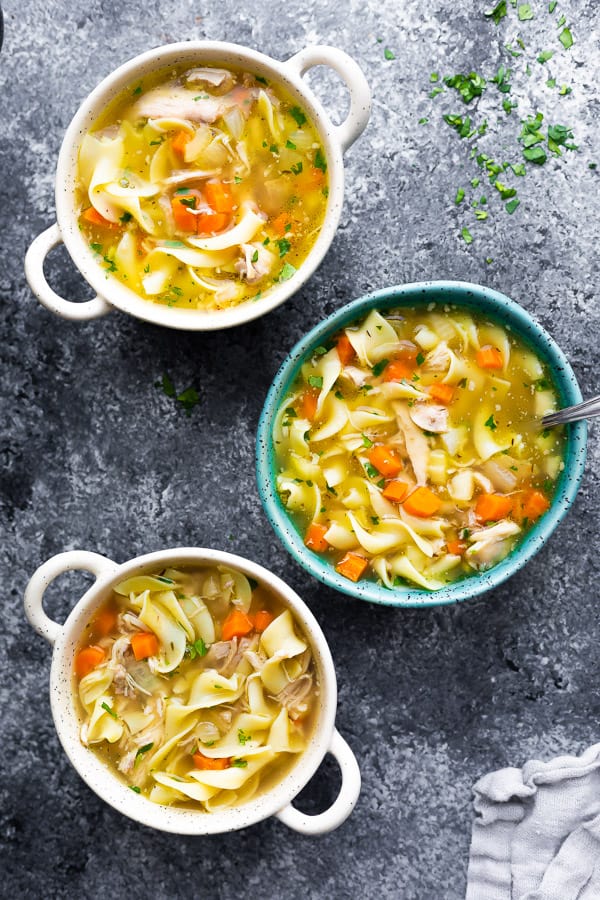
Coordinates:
[95,456]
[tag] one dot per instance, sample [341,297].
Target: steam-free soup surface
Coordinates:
[197,687]
[202,187]
[409,449]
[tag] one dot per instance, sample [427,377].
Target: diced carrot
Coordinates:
[308,404]
[489,357]
[180,140]
[87,659]
[352,566]
[345,350]
[398,370]
[395,491]
[144,644]
[443,393]
[205,762]
[237,624]
[262,620]
[456,547]
[491,507]
[315,537]
[386,460]
[185,219]
[282,223]
[211,223]
[422,502]
[535,504]
[92,216]
[219,196]
[105,621]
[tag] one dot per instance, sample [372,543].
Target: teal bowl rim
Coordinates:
[507,312]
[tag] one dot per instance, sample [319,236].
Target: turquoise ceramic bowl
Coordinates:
[481,300]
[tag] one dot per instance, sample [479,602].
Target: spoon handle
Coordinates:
[586,410]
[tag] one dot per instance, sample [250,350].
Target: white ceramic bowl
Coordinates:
[110,291]
[278,800]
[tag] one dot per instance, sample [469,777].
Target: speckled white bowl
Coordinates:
[110,291]
[275,802]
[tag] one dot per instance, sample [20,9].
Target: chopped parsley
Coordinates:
[460,196]
[466,235]
[286,273]
[371,470]
[512,205]
[524,12]
[315,381]
[296,169]
[110,711]
[141,752]
[290,145]
[284,246]
[566,38]
[198,648]
[243,738]
[366,441]
[187,398]
[137,90]
[379,367]
[319,161]
[420,358]
[125,218]
[239,763]
[468,86]
[388,54]
[135,789]
[297,114]
[490,423]
[497,13]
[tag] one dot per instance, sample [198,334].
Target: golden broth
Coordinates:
[196,687]
[202,195]
[408,448]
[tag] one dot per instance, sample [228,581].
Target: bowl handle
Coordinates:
[344,803]
[350,72]
[72,560]
[34,272]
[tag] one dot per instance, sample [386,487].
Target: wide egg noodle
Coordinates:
[283,738]
[374,339]
[139,583]
[170,633]
[482,434]
[328,368]
[102,726]
[93,685]
[200,618]
[183,788]
[250,222]
[333,418]
[198,259]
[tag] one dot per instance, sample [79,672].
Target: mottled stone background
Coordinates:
[95,456]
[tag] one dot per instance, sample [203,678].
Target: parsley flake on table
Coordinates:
[388,54]
[524,12]
[460,196]
[466,235]
[468,86]
[512,205]
[566,38]
[497,13]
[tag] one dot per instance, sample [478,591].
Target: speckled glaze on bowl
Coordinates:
[113,293]
[277,801]
[480,300]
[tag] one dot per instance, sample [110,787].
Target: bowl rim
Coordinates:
[500,307]
[111,289]
[99,776]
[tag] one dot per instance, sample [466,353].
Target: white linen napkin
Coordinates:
[536,834]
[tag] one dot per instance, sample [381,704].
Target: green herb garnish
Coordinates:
[284,246]
[110,711]
[243,738]
[239,763]
[490,423]
[286,273]
[198,648]
[379,367]
[297,114]
[316,381]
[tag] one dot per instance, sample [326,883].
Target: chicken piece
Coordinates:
[438,359]
[218,80]
[293,696]
[488,545]
[257,262]
[354,374]
[174,101]
[430,417]
[415,441]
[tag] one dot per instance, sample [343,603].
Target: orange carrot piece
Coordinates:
[282,223]
[456,547]
[205,762]
[315,537]
[308,405]
[489,357]
[395,491]
[183,215]
[535,505]
[87,659]
[211,223]
[398,370]
[105,621]
[491,507]
[422,502]
[352,566]
[386,460]
[179,142]
[144,644]
[262,620]
[345,350]
[443,393]
[92,216]
[237,624]
[219,196]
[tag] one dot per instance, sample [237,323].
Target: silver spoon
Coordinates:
[586,410]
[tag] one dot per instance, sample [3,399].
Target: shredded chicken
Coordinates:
[174,101]
[438,359]
[212,78]
[416,442]
[256,263]
[354,374]
[488,545]
[501,477]
[294,696]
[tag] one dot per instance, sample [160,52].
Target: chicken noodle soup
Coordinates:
[408,448]
[202,187]
[197,686]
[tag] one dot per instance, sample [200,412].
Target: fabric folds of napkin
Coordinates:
[536,834]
